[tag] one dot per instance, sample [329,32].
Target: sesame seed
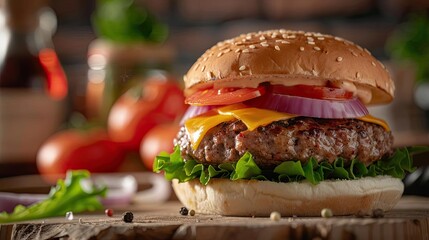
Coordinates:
[237,50]
[278,40]
[339,59]
[227,50]
[301,49]
[246,50]
[202,69]
[321,38]
[357,75]
[248,37]
[291,36]
[274,35]
[210,75]
[220,54]
[354,54]
[242,68]
[359,47]
[311,43]
[367,51]
[264,44]
[314,72]
[285,42]
[317,48]
[277,48]
[252,46]
[310,39]
[338,38]
[307,34]
[205,59]
[238,43]
[284,36]
[282,31]
[262,38]
[373,64]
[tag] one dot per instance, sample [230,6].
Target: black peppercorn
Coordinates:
[377,213]
[127,217]
[183,211]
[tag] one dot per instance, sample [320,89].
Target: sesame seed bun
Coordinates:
[290,58]
[260,198]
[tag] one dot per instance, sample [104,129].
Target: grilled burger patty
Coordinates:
[294,139]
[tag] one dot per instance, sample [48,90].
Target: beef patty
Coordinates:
[294,139]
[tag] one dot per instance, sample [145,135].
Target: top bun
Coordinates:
[290,58]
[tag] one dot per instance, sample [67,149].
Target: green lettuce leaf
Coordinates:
[68,195]
[175,167]
[246,168]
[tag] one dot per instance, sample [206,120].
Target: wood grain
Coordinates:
[409,220]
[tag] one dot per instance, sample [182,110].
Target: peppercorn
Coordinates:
[127,217]
[275,216]
[192,212]
[183,211]
[377,213]
[326,213]
[108,212]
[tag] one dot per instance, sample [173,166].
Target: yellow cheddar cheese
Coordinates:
[197,127]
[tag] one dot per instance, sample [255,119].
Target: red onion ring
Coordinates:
[309,107]
[194,111]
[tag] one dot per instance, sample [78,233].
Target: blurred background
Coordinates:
[64,64]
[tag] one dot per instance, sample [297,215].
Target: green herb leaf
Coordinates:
[67,195]
[290,171]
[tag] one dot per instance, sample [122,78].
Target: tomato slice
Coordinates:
[224,96]
[317,92]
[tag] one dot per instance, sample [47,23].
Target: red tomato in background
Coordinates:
[141,108]
[158,139]
[76,149]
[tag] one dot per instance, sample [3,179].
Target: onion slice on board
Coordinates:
[309,107]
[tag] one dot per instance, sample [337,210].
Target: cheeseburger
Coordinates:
[278,122]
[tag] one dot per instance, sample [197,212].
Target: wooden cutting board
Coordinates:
[409,220]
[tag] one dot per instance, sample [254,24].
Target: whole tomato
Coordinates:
[77,149]
[155,101]
[158,139]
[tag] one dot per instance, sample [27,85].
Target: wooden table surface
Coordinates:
[409,220]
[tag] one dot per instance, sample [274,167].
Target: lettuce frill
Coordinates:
[175,167]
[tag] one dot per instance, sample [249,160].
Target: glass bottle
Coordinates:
[33,86]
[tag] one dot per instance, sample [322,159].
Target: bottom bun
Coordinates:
[260,198]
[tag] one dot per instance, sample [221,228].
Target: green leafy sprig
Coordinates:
[68,195]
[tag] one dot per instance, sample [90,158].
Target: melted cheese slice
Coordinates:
[378,121]
[253,118]
[197,127]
